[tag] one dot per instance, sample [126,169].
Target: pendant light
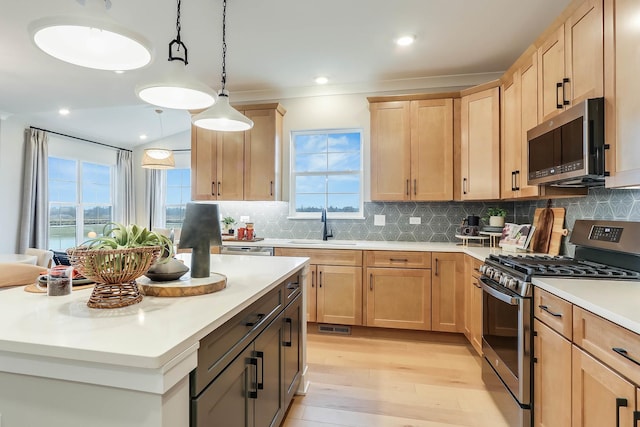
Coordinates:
[177,89]
[91,39]
[222,116]
[158,158]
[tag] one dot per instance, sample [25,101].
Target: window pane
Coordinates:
[175,216]
[344,161]
[174,195]
[311,163]
[62,227]
[344,184]
[62,169]
[177,195]
[343,203]
[95,218]
[309,202]
[62,191]
[344,142]
[96,183]
[311,184]
[310,143]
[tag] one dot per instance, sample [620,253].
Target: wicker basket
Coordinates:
[114,271]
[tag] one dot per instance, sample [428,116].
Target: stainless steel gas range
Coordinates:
[604,250]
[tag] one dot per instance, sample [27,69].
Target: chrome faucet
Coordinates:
[323,218]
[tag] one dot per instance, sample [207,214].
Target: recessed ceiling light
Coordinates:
[143,136]
[63,111]
[119,71]
[322,80]
[405,40]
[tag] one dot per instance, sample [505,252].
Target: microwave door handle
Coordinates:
[486,287]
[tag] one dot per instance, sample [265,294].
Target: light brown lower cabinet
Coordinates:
[473,303]
[447,292]
[552,378]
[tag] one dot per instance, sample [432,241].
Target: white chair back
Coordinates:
[45,257]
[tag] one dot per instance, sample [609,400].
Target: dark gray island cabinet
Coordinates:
[249,369]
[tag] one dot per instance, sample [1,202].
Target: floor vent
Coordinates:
[335,329]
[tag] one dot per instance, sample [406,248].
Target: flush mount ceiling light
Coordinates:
[321,80]
[91,39]
[405,40]
[158,158]
[222,116]
[177,89]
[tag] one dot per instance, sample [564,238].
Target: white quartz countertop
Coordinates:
[614,300]
[478,252]
[144,335]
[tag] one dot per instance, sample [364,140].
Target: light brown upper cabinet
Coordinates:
[239,165]
[622,105]
[570,61]
[480,145]
[412,150]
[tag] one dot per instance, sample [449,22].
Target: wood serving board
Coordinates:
[557,230]
[186,287]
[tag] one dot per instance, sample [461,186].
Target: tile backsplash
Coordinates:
[439,220]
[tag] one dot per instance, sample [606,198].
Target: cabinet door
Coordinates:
[390,150]
[600,396]
[230,165]
[480,145]
[550,74]
[552,378]
[226,400]
[399,298]
[432,150]
[621,79]
[269,410]
[262,155]
[511,142]
[203,164]
[476,314]
[528,120]
[292,347]
[312,279]
[584,52]
[339,295]
[447,292]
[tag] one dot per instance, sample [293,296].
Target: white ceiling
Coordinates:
[275,50]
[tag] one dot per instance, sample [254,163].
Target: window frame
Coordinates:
[293,214]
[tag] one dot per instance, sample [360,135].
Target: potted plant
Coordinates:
[228,221]
[495,216]
[116,259]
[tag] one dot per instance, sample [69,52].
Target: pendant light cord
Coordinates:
[177,41]
[224,43]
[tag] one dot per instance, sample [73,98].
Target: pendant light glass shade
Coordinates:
[158,158]
[178,89]
[222,117]
[91,39]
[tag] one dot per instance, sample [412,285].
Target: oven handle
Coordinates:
[486,287]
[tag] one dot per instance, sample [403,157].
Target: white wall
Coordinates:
[11,164]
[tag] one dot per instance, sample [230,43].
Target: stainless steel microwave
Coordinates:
[568,150]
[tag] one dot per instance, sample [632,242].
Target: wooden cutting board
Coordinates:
[557,230]
[183,288]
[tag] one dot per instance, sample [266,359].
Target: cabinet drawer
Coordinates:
[553,311]
[324,256]
[612,344]
[222,345]
[292,287]
[398,259]
[475,267]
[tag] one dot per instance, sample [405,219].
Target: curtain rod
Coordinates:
[81,139]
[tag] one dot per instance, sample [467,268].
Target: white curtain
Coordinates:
[34,222]
[155,184]
[125,204]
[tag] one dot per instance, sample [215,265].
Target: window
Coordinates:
[80,201]
[177,195]
[326,172]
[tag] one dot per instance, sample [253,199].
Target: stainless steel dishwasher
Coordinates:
[247,250]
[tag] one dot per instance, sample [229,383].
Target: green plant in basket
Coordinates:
[118,236]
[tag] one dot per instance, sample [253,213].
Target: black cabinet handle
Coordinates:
[320,281]
[407,187]
[546,308]
[620,403]
[313,279]
[293,285]
[255,322]
[271,188]
[415,187]
[260,384]
[513,180]
[371,281]
[398,260]
[477,285]
[253,394]
[213,188]
[558,104]
[219,187]
[636,418]
[565,101]
[289,321]
[624,353]
[464,185]
[436,272]
[517,180]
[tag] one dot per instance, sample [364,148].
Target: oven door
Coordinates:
[506,338]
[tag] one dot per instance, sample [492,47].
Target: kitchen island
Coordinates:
[64,364]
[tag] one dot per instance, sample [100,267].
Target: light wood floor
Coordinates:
[389,382]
